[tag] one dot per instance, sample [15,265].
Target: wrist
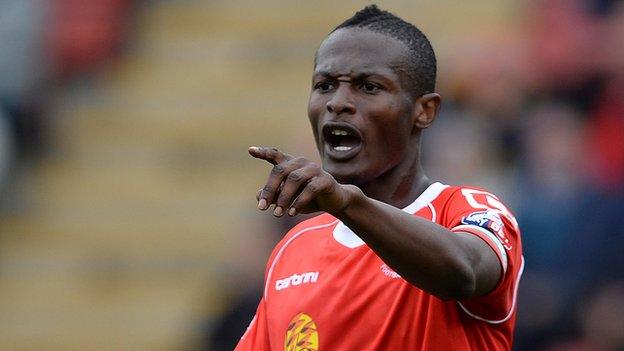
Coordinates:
[354,197]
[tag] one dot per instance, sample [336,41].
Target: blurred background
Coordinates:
[127,199]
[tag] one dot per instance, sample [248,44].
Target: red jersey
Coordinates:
[326,290]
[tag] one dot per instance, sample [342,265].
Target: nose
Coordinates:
[341,102]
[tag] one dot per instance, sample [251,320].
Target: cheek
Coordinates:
[315,109]
[316,106]
[392,131]
[316,103]
[391,121]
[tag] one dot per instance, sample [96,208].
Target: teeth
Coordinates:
[342,148]
[339,132]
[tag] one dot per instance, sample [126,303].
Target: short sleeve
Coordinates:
[482,214]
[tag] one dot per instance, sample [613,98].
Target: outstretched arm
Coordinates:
[446,264]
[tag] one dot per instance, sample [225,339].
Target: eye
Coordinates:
[370,87]
[323,86]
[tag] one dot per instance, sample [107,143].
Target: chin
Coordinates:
[345,173]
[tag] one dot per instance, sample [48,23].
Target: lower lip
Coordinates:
[342,155]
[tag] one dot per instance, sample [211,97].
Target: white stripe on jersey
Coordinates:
[281,251]
[513,301]
[495,239]
[346,237]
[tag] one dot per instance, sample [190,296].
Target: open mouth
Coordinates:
[342,141]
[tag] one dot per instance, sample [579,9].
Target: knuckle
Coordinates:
[295,176]
[325,185]
[316,170]
[329,189]
[277,169]
[313,187]
[301,160]
[267,189]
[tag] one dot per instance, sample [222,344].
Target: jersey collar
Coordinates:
[345,236]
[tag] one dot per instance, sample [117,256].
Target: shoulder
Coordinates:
[455,192]
[456,199]
[322,222]
[474,209]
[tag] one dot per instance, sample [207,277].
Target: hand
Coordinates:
[298,185]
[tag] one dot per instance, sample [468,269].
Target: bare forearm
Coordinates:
[427,255]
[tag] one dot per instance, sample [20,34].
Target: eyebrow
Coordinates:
[359,76]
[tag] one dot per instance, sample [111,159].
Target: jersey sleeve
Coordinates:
[481,213]
[257,335]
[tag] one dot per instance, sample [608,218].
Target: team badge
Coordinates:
[489,220]
[301,334]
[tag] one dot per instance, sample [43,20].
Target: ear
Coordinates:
[426,109]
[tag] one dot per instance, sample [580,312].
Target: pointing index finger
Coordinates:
[269,154]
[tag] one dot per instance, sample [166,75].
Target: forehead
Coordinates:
[349,51]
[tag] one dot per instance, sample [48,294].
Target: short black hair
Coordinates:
[421,64]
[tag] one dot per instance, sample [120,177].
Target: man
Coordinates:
[440,274]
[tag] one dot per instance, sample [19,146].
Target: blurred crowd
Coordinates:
[45,44]
[537,117]
[541,122]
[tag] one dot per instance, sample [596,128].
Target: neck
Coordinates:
[400,186]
